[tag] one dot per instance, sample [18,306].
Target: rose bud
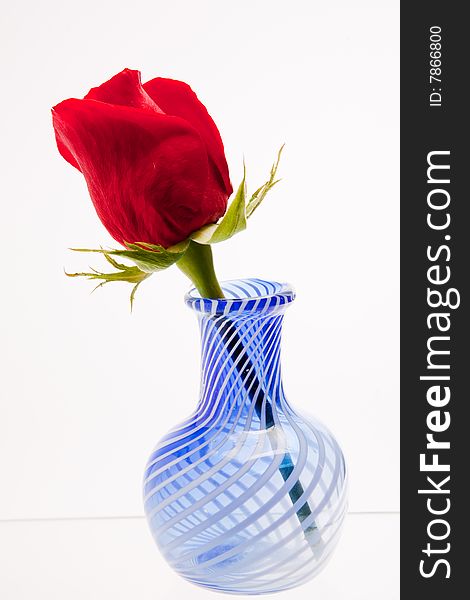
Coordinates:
[151,155]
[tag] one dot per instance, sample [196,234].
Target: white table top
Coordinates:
[115,558]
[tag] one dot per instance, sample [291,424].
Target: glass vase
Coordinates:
[246,496]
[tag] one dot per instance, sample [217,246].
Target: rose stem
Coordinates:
[257,394]
[197,264]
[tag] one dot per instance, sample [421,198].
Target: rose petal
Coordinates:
[178,99]
[124,89]
[147,172]
[63,147]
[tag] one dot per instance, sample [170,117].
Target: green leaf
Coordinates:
[148,257]
[134,289]
[130,274]
[233,221]
[261,192]
[114,263]
[239,210]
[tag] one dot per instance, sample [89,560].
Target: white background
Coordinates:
[87,388]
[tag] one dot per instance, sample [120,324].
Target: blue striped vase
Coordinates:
[246,496]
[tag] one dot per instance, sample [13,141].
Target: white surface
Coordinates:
[117,560]
[87,389]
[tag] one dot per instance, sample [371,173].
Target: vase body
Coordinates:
[246,495]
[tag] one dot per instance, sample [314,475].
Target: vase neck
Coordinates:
[241,340]
[240,354]
[240,362]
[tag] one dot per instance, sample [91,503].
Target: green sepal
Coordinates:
[239,211]
[261,192]
[232,222]
[126,273]
[148,257]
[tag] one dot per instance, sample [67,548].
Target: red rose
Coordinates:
[151,155]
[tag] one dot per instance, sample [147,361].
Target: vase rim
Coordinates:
[243,295]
